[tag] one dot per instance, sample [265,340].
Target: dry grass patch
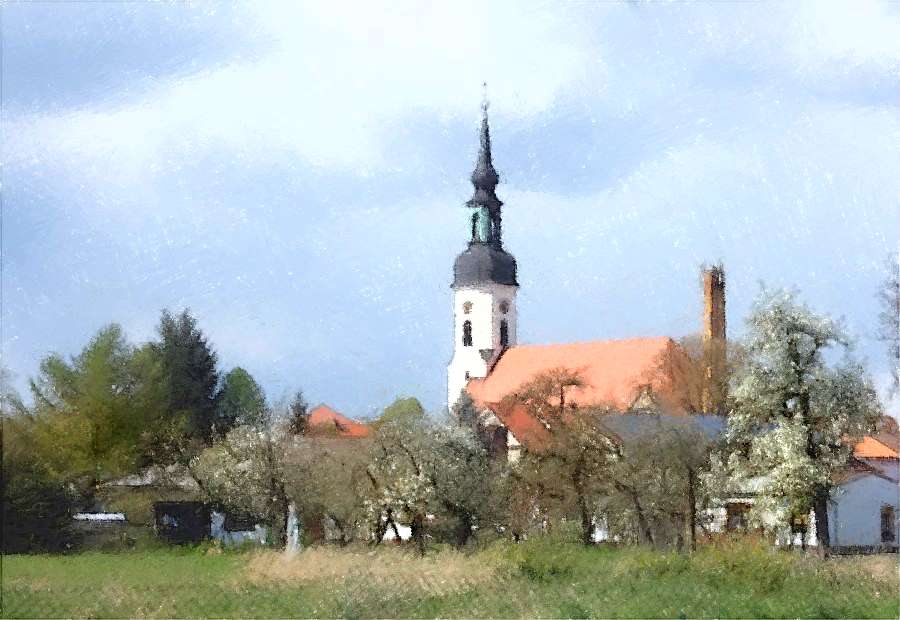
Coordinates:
[882,566]
[386,568]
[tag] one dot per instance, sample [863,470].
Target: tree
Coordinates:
[401,489]
[465,480]
[568,470]
[794,414]
[240,402]
[189,368]
[37,505]
[402,411]
[245,473]
[326,477]
[656,479]
[889,319]
[298,414]
[90,414]
[464,412]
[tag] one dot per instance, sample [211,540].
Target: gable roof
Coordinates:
[854,470]
[527,429]
[876,447]
[324,418]
[614,371]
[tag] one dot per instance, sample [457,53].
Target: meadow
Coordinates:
[542,578]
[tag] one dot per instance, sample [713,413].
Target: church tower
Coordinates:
[484,282]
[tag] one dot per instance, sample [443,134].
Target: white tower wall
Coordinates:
[486,313]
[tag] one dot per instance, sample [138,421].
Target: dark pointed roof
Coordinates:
[485,262]
[482,263]
[485,177]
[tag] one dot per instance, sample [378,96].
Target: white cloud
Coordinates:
[336,74]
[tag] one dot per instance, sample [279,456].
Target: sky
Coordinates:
[295,174]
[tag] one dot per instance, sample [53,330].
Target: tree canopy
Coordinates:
[794,414]
[240,402]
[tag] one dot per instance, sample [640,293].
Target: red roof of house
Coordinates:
[877,447]
[527,429]
[614,371]
[325,418]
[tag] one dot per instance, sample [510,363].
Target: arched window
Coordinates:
[467,333]
[504,333]
[467,307]
[504,307]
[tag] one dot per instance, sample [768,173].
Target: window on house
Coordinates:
[467,307]
[467,334]
[504,333]
[504,307]
[888,519]
[736,516]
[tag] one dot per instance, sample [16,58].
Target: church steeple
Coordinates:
[484,281]
[484,202]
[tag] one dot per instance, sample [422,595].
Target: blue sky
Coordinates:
[296,173]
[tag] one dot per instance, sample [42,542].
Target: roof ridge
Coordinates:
[587,342]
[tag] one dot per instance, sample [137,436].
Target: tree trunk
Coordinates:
[463,530]
[587,523]
[418,533]
[692,508]
[643,526]
[820,510]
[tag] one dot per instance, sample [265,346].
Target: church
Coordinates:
[489,364]
[627,376]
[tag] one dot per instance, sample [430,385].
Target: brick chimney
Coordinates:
[714,303]
[714,357]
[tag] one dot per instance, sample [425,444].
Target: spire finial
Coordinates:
[484,176]
[485,103]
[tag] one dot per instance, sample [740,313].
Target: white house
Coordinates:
[863,511]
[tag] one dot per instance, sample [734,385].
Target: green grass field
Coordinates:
[540,578]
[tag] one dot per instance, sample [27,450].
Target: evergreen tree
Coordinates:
[240,402]
[189,369]
[298,414]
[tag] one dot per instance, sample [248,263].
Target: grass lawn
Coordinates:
[540,578]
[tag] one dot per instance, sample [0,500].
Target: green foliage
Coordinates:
[36,505]
[240,402]
[189,370]
[403,410]
[90,414]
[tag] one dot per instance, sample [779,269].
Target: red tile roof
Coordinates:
[526,428]
[614,371]
[325,419]
[877,447]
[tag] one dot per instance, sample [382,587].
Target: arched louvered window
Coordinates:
[504,333]
[467,334]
